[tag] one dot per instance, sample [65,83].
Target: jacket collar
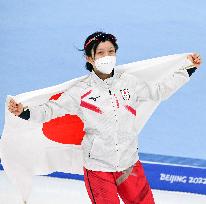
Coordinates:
[107,83]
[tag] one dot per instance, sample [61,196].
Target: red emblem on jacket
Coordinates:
[125,94]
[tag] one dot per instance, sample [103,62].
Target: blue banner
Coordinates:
[176,178]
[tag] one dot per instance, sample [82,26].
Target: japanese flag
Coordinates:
[29,148]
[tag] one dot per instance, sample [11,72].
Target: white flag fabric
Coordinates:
[25,151]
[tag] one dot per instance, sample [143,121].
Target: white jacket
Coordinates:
[108,109]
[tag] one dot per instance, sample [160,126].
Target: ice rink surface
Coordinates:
[48,190]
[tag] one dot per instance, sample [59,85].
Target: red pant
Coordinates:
[131,185]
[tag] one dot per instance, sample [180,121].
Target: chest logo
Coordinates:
[94,98]
[89,105]
[125,94]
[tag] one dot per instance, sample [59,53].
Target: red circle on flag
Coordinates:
[67,129]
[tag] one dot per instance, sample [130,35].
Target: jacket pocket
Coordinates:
[95,150]
[101,149]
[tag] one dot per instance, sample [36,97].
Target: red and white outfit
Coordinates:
[110,150]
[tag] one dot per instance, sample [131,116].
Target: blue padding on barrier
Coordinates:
[176,178]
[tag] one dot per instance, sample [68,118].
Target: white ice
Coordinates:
[47,190]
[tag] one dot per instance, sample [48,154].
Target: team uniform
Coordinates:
[110,150]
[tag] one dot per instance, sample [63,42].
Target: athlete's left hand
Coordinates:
[195,59]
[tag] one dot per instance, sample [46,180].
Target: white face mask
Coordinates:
[105,64]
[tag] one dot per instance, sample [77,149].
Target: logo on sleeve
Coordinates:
[125,94]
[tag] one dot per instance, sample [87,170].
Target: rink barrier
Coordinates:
[165,173]
[176,178]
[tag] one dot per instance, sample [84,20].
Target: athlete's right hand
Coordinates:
[15,108]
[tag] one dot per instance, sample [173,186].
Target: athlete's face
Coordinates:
[103,49]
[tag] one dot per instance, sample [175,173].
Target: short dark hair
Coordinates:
[93,41]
